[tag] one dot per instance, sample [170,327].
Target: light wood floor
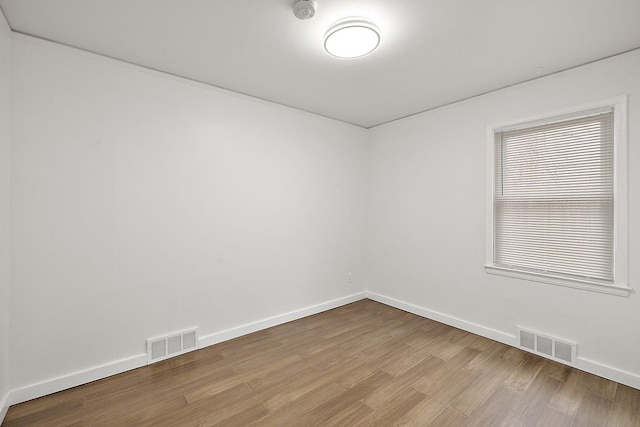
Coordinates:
[364,364]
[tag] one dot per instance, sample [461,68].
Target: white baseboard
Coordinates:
[596,368]
[92,374]
[75,379]
[4,406]
[608,372]
[259,325]
[446,319]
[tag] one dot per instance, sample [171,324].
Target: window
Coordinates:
[557,205]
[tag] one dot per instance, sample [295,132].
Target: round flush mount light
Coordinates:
[351,38]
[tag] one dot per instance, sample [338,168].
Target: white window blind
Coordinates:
[553,204]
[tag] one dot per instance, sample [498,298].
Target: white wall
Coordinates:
[144,204]
[427,217]
[5,53]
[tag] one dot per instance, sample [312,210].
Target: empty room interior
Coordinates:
[327,212]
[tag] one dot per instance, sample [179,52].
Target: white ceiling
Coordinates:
[432,52]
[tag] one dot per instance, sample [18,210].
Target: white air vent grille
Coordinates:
[161,348]
[548,346]
[528,340]
[564,351]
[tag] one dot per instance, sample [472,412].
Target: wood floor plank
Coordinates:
[126,400]
[449,387]
[593,411]
[423,413]
[495,409]
[526,372]
[239,378]
[42,416]
[490,352]
[402,384]
[346,417]
[348,378]
[225,405]
[47,403]
[272,380]
[449,418]
[556,370]
[362,364]
[345,400]
[433,382]
[569,397]
[393,408]
[148,413]
[554,418]
[406,360]
[491,378]
[294,411]
[294,390]
[626,408]
[598,385]
[532,402]
[242,418]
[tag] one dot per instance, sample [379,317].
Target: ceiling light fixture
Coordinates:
[351,38]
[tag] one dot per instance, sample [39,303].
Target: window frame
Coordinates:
[619,286]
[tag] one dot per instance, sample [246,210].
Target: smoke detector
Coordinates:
[304,9]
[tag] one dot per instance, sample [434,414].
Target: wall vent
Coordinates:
[161,348]
[548,346]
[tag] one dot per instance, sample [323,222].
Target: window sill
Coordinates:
[560,281]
